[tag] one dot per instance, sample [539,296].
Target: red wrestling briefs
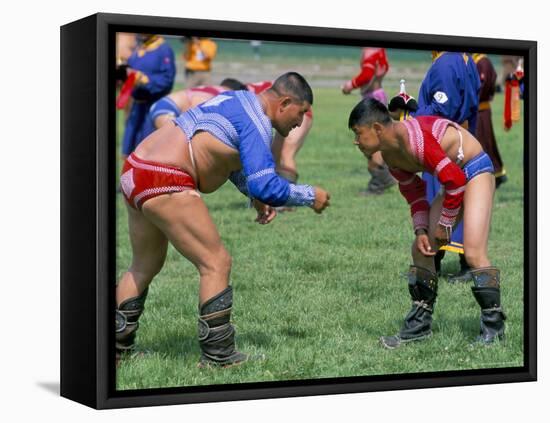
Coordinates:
[142,180]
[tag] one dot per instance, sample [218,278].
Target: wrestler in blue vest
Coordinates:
[154,60]
[450,89]
[236,118]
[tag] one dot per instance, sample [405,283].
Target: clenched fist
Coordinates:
[322,200]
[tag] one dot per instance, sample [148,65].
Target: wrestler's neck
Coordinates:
[269,103]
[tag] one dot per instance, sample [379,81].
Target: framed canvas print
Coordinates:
[258,211]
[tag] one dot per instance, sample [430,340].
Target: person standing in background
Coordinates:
[485,133]
[198,56]
[509,65]
[126,43]
[153,67]
[374,66]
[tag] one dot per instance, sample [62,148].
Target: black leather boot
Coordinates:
[127,316]
[216,333]
[486,291]
[418,322]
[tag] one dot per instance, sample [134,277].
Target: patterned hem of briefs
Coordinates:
[160,190]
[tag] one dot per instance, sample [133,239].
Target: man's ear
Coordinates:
[285,101]
[378,127]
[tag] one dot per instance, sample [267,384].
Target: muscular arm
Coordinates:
[259,180]
[258,169]
[236,118]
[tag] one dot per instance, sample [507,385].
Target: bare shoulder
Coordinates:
[402,137]
[400,155]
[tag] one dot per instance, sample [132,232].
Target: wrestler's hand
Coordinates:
[265,213]
[322,200]
[442,235]
[423,244]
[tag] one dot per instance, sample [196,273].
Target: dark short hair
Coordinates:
[293,85]
[368,111]
[233,84]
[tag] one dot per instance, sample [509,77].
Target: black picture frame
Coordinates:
[88,195]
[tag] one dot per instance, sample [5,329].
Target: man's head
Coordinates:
[367,120]
[293,98]
[146,38]
[233,84]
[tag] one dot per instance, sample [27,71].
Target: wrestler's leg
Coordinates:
[478,200]
[422,286]
[184,219]
[149,247]
[478,204]
[148,254]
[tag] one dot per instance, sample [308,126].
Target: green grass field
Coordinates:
[314,293]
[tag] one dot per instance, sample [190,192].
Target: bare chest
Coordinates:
[214,161]
[402,161]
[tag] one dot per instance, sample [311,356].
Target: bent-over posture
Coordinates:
[455,157]
[227,137]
